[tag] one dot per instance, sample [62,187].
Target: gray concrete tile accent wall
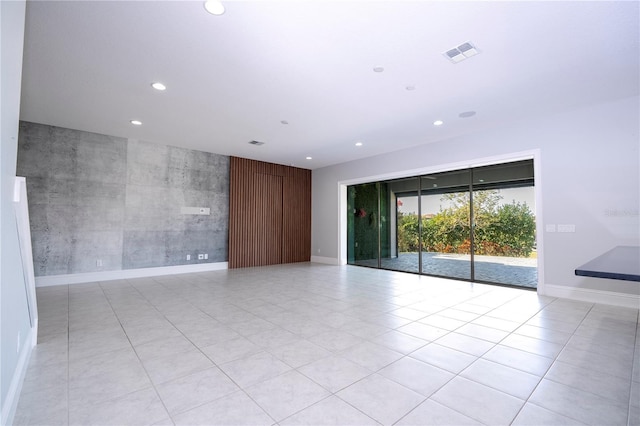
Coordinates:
[160,180]
[96,197]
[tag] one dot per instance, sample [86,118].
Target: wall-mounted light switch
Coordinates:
[188,257]
[551,228]
[99,262]
[567,228]
[206,256]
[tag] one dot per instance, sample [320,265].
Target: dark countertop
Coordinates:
[619,263]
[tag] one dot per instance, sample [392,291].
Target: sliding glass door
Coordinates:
[446,236]
[363,237]
[504,224]
[404,225]
[474,224]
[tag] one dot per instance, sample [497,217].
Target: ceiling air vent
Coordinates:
[257,143]
[462,52]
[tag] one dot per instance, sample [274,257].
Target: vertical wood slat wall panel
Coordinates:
[296,234]
[267,219]
[269,214]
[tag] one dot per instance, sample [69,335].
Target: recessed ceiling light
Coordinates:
[378,69]
[256,143]
[358,143]
[309,158]
[158,86]
[214,7]
[467,114]
[136,122]
[284,122]
[438,123]
[410,87]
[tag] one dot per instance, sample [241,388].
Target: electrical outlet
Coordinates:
[206,256]
[99,262]
[188,257]
[200,256]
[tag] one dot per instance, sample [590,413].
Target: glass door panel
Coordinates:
[401,245]
[363,238]
[504,231]
[446,235]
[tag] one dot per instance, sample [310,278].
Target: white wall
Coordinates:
[589,162]
[13,302]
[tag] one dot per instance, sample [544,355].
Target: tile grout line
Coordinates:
[435,342]
[549,368]
[296,369]
[134,351]
[458,375]
[183,335]
[240,388]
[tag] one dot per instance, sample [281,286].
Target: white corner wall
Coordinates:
[15,327]
[588,174]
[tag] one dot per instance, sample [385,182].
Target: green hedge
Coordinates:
[501,229]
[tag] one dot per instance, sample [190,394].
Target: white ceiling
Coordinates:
[233,78]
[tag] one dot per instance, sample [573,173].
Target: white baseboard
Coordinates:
[13,394]
[593,296]
[124,274]
[325,260]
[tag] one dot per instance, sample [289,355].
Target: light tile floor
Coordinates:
[315,344]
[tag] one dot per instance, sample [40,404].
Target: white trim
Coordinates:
[593,296]
[13,394]
[127,273]
[342,223]
[537,183]
[325,260]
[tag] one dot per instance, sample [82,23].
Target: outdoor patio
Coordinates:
[516,271]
